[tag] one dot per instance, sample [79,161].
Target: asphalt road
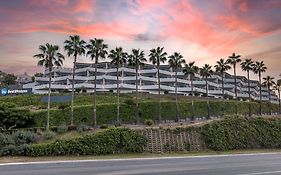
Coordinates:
[210,165]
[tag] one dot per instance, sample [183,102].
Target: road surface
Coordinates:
[248,164]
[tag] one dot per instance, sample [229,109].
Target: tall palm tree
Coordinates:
[158,56]
[221,67]
[247,66]
[175,62]
[76,47]
[233,60]
[268,81]
[137,59]
[190,70]
[118,57]
[277,87]
[259,67]
[205,72]
[96,49]
[49,56]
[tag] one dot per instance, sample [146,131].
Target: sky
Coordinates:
[201,30]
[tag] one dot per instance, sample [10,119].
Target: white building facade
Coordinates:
[147,81]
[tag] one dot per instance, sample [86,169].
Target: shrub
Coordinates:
[83,127]
[104,126]
[48,135]
[25,137]
[6,139]
[72,127]
[23,150]
[130,102]
[148,122]
[63,106]
[62,129]
[8,150]
[110,141]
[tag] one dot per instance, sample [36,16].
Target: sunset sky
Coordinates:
[202,30]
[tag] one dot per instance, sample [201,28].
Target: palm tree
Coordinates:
[190,70]
[233,60]
[259,67]
[136,59]
[277,87]
[221,67]
[49,56]
[268,82]
[175,62]
[76,47]
[118,57]
[247,65]
[96,49]
[205,72]
[157,56]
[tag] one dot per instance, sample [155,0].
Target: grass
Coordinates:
[11,159]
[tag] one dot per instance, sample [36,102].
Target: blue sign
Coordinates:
[4,91]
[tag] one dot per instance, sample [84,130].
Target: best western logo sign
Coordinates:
[5,91]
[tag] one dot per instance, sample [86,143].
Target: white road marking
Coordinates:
[130,159]
[268,172]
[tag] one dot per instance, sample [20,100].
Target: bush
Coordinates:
[23,150]
[148,122]
[239,133]
[8,150]
[25,137]
[6,139]
[48,135]
[63,106]
[62,129]
[110,141]
[83,127]
[104,126]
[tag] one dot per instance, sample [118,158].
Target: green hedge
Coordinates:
[106,113]
[240,133]
[111,141]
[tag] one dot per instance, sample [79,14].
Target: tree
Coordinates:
[221,67]
[136,59]
[175,62]
[37,74]
[190,70]
[259,67]
[233,60]
[206,72]
[277,87]
[158,56]
[13,117]
[268,81]
[9,79]
[49,57]
[247,66]
[96,49]
[118,57]
[76,47]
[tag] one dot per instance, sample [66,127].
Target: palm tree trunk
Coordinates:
[118,117]
[208,103]
[269,100]
[192,100]
[279,101]
[49,99]
[95,93]
[176,91]
[159,97]
[236,104]
[72,93]
[260,92]
[137,103]
[249,92]
[222,85]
